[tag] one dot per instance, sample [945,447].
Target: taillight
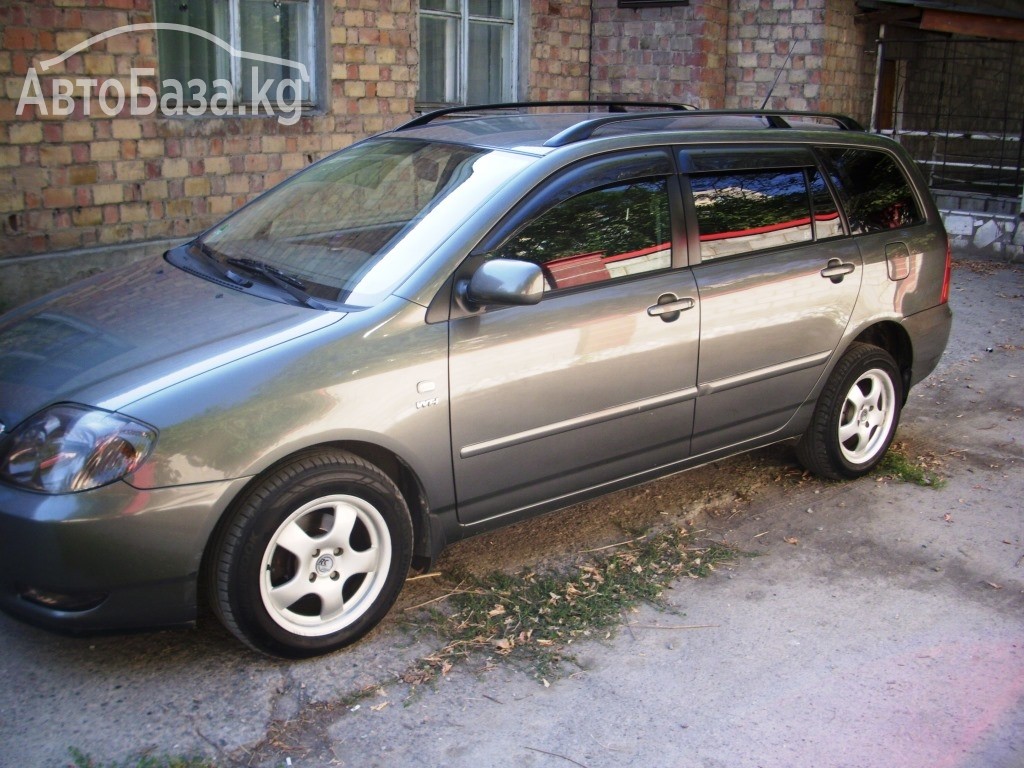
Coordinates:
[944,298]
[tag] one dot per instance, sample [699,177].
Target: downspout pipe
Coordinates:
[876,98]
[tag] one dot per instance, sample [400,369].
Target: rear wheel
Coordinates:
[314,556]
[856,415]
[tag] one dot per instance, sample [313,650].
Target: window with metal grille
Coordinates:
[957,106]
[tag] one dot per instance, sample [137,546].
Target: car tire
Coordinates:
[313,557]
[855,417]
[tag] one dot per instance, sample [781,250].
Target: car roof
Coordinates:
[508,126]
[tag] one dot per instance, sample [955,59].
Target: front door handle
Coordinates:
[837,270]
[669,307]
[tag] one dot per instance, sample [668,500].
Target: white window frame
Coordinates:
[460,73]
[311,58]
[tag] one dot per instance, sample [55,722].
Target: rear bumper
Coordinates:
[929,332]
[112,558]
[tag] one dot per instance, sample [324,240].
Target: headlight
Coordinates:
[68,448]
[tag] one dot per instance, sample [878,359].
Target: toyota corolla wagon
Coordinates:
[479,316]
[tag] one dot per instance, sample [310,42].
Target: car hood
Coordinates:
[130,332]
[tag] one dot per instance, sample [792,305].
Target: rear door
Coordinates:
[596,382]
[778,280]
[904,261]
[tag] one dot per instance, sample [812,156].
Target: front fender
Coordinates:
[378,378]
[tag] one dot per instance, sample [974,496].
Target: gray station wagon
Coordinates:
[471,319]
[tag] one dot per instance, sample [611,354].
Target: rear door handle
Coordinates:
[669,307]
[837,270]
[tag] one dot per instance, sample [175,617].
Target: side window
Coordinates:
[745,211]
[613,231]
[873,189]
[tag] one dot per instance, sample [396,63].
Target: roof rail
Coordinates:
[586,129]
[776,119]
[619,107]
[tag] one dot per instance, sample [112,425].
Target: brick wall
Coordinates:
[559,50]
[980,225]
[662,54]
[79,181]
[848,74]
[762,35]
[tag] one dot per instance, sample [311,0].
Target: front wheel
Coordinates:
[313,557]
[856,415]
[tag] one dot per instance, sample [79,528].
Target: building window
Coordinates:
[277,63]
[467,51]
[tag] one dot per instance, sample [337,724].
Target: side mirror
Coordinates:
[502,282]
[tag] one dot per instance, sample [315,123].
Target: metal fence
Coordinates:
[957,105]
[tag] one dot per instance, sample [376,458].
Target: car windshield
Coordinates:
[353,227]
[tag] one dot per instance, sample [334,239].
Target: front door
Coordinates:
[595,383]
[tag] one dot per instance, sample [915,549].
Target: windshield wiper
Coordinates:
[288,283]
[262,268]
[214,269]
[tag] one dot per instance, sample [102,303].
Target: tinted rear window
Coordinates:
[873,189]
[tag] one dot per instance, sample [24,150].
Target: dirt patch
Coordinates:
[691,499]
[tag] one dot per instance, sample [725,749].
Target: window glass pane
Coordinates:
[480,32]
[352,226]
[280,30]
[826,215]
[450,6]
[749,211]
[498,9]
[874,191]
[439,57]
[490,56]
[611,232]
[185,56]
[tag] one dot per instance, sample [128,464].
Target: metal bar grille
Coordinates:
[957,105]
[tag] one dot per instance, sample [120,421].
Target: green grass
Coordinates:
[532,617]
[82,760]
[898,465]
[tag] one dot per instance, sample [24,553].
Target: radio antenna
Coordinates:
[778,74]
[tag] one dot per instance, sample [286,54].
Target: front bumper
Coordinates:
[111,558]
